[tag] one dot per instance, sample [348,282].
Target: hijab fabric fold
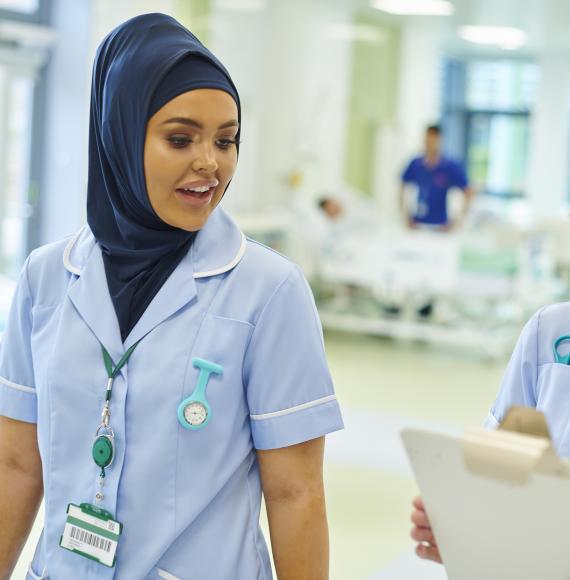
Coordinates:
[140,66]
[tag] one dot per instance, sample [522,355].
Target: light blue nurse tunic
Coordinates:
[534,379]
[189,500]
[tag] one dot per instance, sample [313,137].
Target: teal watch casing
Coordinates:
[196,405]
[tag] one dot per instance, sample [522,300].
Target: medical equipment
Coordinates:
[195,412]
[563,359]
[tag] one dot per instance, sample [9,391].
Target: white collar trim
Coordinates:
[221,270]
[67,254]
[230,265]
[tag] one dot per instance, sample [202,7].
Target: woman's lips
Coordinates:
[195,199]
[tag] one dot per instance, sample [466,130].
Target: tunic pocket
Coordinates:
[221,343]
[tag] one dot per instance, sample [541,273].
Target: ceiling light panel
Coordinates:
[415,7]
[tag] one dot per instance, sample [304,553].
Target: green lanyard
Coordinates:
[113,372]
[103,450]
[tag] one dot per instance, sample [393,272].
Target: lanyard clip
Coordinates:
[106,415]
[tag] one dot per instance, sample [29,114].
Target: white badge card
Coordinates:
[91,532]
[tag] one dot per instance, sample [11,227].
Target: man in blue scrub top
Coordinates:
[434,175]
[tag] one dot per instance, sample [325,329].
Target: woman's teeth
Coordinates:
[203,189]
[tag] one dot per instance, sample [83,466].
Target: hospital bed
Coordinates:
[482,286]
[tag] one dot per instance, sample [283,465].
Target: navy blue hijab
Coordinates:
[139,67]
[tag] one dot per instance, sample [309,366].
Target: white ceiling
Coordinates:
[546,22]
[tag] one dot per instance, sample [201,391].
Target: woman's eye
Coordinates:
[179,141]
[225,143]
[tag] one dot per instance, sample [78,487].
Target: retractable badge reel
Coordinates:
[195,412]
[91,531]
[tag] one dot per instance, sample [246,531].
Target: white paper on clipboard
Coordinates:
[499,503]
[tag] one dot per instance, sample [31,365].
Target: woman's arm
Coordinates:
[21,489]
[292,481]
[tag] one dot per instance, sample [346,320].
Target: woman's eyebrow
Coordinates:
[192,123]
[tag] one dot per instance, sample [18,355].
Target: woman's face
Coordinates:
[190,156]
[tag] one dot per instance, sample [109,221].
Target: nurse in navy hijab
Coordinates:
[146,197]
[175,369]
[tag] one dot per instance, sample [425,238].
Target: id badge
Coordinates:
[91,532]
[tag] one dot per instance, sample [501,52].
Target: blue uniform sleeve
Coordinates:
[520,379]
[17,391]
[289,388]
[459,177]
[409,174]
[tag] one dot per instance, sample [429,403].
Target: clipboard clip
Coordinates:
[519,448]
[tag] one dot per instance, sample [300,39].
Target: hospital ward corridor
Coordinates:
[284,289]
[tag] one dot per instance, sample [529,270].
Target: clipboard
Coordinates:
[498,501]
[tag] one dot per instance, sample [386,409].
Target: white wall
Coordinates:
[418,105]
[550,131]
[291,66]
[65,159]
[549,148]
[419,91]
[107,14]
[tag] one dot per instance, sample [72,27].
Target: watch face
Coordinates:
[195,414]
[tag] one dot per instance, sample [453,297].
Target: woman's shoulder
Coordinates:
[52,263]
[266,264]
[259,277]
[544,327]
[552,314]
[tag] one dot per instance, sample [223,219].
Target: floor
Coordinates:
[384,386]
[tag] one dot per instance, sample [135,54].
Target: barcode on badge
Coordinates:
[90,538]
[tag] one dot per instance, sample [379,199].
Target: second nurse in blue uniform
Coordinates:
[538,376]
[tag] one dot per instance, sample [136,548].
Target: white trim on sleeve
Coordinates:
[16,386]
[293,409]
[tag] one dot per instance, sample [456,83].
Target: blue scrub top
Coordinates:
[533,379]
[189,500]
[434,183]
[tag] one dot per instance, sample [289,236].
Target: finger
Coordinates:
[428,553]
[423,535]
[420,519]
[418,503]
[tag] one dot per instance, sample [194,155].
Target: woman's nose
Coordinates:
[205,160]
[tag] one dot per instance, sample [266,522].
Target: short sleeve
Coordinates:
[17,392]
[459,176]
[519,382]
[289,388]
[409,173]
